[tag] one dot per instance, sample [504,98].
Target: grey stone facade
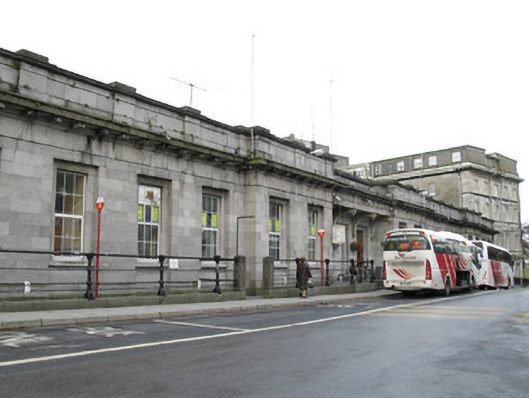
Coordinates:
[115,140]
[466,177]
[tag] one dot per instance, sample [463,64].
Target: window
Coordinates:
[69,212]
[432,160]
[149,205]
[406,243]
[359,172]
[456,157]
[378,169]
[210,224]
[400,166]
[313,228]
[274,227]
[402,225]
[417,163]
[431,189]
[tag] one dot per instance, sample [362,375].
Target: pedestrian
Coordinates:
[303,275]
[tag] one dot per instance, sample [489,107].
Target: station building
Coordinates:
[179,184]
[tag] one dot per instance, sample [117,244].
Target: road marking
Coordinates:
[215,336]
[449,311]
[472,308]
[199,325]
[105,331]
[426,315]
[16,339]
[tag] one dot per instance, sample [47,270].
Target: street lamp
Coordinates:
[100,203]
[321,234]
[237,235]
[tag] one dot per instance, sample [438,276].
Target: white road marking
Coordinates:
[215,336]
[16,339]
[199,325]
[106,331]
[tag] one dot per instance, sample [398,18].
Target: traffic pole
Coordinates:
[100,203]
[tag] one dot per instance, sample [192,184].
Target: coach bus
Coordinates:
[496,266]
[422,260]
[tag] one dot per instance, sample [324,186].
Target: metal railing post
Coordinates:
[161,289]
[327,261]
[217,289]
[89,294]
[372,264]
[352,271]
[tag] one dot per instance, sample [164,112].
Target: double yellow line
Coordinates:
[445,312]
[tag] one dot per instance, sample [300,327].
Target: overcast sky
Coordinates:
[374,79]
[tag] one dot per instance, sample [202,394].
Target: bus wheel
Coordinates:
[447,288]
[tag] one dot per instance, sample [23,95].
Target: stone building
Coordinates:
[465,177]
[175,183]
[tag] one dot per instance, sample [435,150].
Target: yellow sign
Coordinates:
[140,213]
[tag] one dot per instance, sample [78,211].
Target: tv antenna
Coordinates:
[191,87]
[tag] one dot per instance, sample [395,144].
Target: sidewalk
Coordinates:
[16,320]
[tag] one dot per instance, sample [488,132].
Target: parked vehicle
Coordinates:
[496,266]
[420,260]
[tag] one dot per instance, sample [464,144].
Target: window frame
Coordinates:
[274,228]
[215,219]
[313,222]
[74,256]
[432,160]
[149,257]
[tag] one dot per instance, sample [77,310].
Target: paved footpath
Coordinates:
[16,320]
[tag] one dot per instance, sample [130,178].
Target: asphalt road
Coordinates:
[467,345]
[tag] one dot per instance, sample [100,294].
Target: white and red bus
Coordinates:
[421,260]
[496,266]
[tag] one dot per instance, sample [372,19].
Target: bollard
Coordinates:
[239,273]
[89,294]
[216,289]
[372,263]
[352,271]
[161,289]
[327,261]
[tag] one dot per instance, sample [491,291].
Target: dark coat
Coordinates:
[303,275]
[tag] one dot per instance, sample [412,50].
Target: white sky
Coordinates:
[408,76]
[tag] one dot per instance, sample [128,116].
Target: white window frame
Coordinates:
[456,157]
[431,189]
[400,166]
[73,216]
[149,195]
[313,218]
[211,222]
[432,160]
[274,229]
[417,163]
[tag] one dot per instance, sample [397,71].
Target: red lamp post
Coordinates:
[321,234]
[100,203]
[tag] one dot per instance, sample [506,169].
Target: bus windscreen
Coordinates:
[406,243]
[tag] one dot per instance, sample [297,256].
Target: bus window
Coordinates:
[406,243]
[443,247]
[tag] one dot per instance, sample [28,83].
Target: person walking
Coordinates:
[303,275]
